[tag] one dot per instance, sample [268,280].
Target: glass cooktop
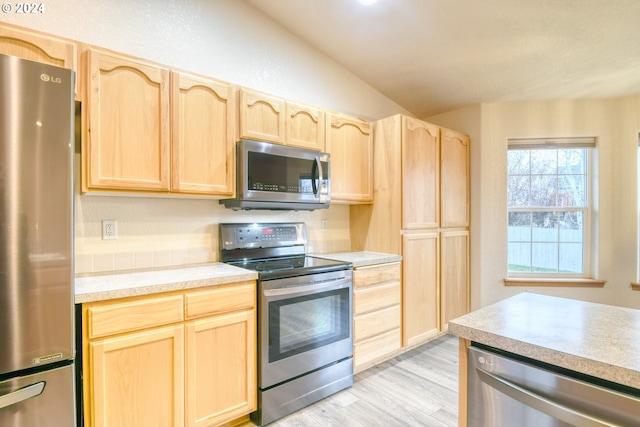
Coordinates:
[291,266]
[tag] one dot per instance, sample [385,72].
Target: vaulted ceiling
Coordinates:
[433,56]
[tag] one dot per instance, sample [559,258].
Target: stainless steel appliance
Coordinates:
[507,390]
[305,337]
[36,245]
[277,177]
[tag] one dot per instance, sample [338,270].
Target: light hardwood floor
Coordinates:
[417,388]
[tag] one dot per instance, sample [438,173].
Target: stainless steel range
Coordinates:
[305,337]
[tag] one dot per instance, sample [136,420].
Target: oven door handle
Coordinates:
[308,287]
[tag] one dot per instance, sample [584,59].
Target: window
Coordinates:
[549,208]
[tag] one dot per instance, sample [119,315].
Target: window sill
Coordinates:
[570,283]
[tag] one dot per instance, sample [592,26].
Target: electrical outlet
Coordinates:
[109,229]
[323,225]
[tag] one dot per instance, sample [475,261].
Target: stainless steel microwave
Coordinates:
[277,177]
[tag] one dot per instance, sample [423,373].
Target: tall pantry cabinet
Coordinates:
[420,211]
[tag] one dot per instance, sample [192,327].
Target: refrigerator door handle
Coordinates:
[541,403]
[22,394]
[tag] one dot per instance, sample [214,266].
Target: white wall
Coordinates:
[225,39]
[616,123]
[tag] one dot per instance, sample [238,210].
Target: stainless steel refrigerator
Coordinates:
[36,245]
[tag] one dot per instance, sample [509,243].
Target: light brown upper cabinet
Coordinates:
[454,187]
[153,130]
[127,141]
[268,118]
[305,126]
[203,135]
[349,141]
[38,47]
[420,174]
[262,116]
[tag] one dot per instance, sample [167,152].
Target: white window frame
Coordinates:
[589,143]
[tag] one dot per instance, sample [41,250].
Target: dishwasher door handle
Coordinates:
[21,394]
[541,403]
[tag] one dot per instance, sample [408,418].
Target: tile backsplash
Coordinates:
[161,232]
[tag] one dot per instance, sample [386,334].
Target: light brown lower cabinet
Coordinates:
[420,294]
[137,378]
[376,313]
[454,297]
[435,282]
[179,359]
[221,369]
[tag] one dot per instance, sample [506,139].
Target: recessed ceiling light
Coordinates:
[367,2]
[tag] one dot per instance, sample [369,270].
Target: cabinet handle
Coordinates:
[22,394]
[541,403]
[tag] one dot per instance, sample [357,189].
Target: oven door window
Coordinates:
[300,324]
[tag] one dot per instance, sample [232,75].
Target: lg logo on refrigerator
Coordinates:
[52,79]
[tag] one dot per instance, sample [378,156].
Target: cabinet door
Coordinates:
[262,117]
[455,275]
[137,379]
[202,124]
[127,145]
[305,126]
[221,368]
[454,184]
[350,143]
[420,174]
[420,296]
[38,47]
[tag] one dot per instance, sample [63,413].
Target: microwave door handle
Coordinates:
[317,166]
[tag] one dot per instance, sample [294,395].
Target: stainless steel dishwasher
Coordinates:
[506,392]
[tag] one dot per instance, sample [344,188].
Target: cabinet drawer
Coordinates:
[376,347]
[220,299]
[376,298]
[376,323]
[368,276]
[114,318]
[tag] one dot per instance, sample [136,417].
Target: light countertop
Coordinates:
[126,284]
[595,339]
[98,287]
[361,258]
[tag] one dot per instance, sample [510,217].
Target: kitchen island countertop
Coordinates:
[98,287]
[594,339]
